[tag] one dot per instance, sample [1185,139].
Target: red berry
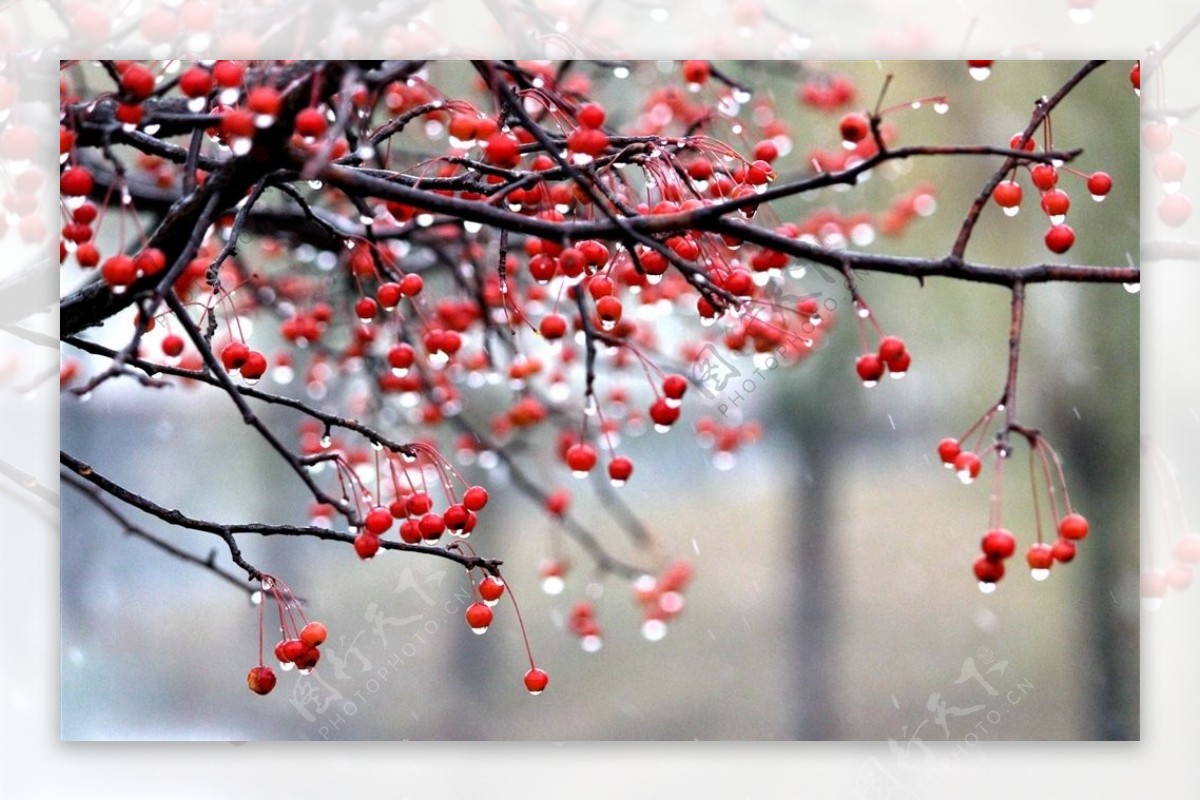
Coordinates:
[475,498]
[1099,184]
[313,634]
[989,571]
[948,450]
[967,466]
[410,531]
[366,545]
[869,367]
[264,100]
[308,658]
[1056,202]
[389,295]
[1040,556]
[1044,176]
[1060,238]
[234,355]
[366,309]
[490,589]
[151,261]
[1063,550]
[229,74]
[1008,194]
[591,115]
[479,617]
[419,503]
[195,82]
[1157,136]
[674,386]
[553,326]
[536,681]
[1135,76]
[1015,143]
[401,356]
[75,182]
[999,543]
[118,271]
[411,285]
[254,367]
[378,520]
[609,310]
[620,469]
[696,72]
[899,365]
[1073,527]
[1179,576]
[237,123]
[502,150]
[172,345]
[891,348]
[854,127]
[432,526]
[456,517]
[137,82]
[663,414]
[581,458]
[766,150]
[261,679]
[311,123]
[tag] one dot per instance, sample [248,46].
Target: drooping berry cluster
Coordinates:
[301,638]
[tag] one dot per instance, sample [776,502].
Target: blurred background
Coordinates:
[833,596]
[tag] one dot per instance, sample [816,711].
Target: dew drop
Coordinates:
[1057,219]
[305,671]
[869,384]
[264,120]
[941,107]
[741,96]
[1012,211]
[654,630]
[1099,198]
[897,374]
[986,587]
[1170,187]
[286,665]
[479,629]
[1133,288]
[965,476]
[1039,573]
[197,104]
[472,227]
[256,598]
[591,643]
[553,585]
[424,220]
[621,72]
[724,460]
[980,74]
[268,584]
[797,271]
[241,146]
[326,441]
[916,104]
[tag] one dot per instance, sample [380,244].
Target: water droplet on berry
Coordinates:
[1039,573]
[965,476]
[987,587]
[897,374]
[1011,211]
[1058,219]
[591,643]
[315,185]
[480,629]
[553,585]
[654,630]
[869,384]
[724,460]
[980,73]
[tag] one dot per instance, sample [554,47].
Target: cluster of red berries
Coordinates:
[999,544]
[302,638]
[965,463]
[582,623]
[236,357]
[1055,201]
[661,597]
[419,522]
[892,357]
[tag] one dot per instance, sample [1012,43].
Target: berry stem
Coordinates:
[520,621]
